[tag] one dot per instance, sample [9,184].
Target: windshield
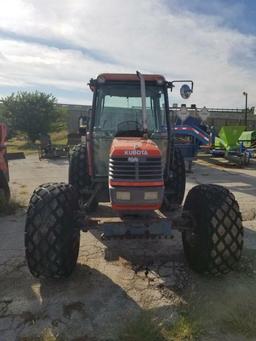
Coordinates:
[119,108]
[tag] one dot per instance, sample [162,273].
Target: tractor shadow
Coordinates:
[160,261]
[101,296]
[86,306]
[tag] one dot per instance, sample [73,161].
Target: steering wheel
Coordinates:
[129,125]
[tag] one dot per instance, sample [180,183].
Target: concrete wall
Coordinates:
[218,117]
[75,112]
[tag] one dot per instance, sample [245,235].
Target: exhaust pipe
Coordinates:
[143,101]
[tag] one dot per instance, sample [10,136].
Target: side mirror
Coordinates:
[185,91]
[82,125]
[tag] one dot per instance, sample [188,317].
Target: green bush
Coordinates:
[30,112]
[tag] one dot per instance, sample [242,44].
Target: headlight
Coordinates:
[123,195]
[150,195]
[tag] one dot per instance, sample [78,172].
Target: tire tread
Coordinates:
[51,239]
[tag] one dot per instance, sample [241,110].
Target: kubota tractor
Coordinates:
[4,171]
[127,157]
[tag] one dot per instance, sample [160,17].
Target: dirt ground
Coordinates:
[104,294]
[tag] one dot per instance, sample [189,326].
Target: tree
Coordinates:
[4,119]
[62,116]
[30,112]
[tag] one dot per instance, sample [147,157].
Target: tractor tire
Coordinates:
[78,173]
[51,237]
[175,186]
[214,244]
[78,168]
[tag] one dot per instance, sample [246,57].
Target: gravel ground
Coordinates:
[102,294]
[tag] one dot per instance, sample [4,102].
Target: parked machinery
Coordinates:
[128,158]
[189,139]
[47,150]
[227,144]
[248,140]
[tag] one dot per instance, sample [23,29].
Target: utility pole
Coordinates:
[245,113]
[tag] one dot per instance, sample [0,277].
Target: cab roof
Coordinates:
[129,77]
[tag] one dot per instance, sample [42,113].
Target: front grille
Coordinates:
[135,168]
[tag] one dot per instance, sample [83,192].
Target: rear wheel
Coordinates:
[51,237]
[215,241]
[175,186]
[78,169]
[78,174]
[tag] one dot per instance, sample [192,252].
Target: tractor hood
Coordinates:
[134,147]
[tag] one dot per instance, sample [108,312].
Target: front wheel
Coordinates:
[215,241]
[51,237]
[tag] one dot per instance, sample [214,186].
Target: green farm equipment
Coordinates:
[248,138]
[229,145]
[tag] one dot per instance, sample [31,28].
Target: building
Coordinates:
[218,117]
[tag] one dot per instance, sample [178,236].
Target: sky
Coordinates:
[56,46]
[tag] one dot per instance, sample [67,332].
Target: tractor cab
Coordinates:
[127,105]
[118,107]
[129,140]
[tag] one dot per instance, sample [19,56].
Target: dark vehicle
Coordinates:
[4,170]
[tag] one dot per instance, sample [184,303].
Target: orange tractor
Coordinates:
[128,157]
[4,171]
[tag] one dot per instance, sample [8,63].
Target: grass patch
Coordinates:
[247,264]
[147,328]
[242,319]
[10,207]
[59,137]
[143,328]
[46,335]
[185,328]
[21,144]
[216,307]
